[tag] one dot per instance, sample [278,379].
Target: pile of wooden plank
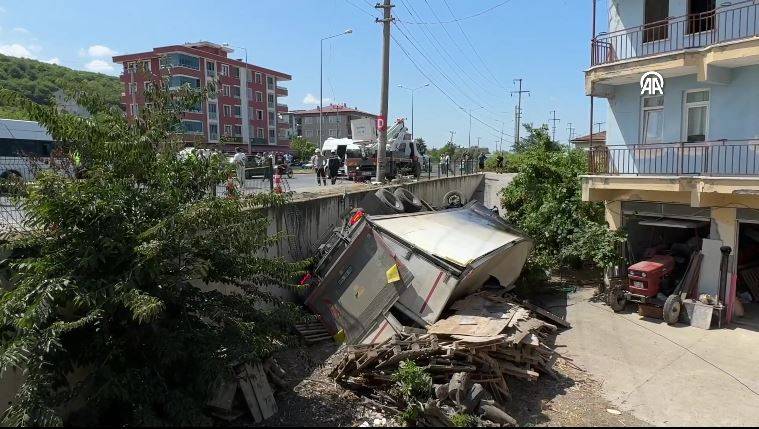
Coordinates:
[488,339]
[248,391]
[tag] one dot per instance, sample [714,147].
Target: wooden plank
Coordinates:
[250,398]
[475,326]
[264,395]
[548,315]
[225,396]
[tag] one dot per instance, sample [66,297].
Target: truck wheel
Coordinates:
[411,202]
[453,199]
[617,300]
[672,308]
[390,200]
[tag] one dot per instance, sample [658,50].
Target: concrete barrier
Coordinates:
[307,221]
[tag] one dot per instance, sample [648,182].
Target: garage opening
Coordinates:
[664,239]
[747,284]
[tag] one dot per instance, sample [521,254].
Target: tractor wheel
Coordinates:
[453,199]
[672,308]
[617,300]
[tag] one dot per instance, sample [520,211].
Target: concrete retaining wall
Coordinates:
[309,220]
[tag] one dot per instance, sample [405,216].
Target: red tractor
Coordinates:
[646,278]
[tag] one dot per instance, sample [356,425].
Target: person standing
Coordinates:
[239,160]
[447,163]
[318,162]
[481,160]
[333,165]
[499,160]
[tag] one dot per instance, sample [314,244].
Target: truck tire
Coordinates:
[411,202]
[454,199]
[672,308]
[389,200]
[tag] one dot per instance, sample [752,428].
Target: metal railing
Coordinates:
[714,158]
[729,22]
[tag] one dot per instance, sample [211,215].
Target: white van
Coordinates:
[25,146]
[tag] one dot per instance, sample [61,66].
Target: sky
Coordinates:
[469,51]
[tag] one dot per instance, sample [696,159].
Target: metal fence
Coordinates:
[714,158]
[728,22]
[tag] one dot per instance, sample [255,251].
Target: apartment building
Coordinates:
[681,160]
[246,110]
[336,122]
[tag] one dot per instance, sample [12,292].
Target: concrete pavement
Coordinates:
[665,375]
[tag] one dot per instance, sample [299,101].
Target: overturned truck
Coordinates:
[397,264]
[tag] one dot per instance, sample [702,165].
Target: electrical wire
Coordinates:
[474,15]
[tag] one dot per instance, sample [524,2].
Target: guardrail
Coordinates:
[729,22]
[713,158]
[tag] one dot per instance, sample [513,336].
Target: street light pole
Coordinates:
[470,124]
[413,90]
[321,79]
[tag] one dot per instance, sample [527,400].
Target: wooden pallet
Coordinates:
[313,332]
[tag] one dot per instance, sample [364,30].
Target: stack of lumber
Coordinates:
[248,391]
[489,338]
[313,332]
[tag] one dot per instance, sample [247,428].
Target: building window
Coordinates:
[147,86]
[272,134]
[657,27]
[260,133]
[212,111]
[308,120]
[181,60]
[224,70]
[227,130]
[177,81]
[249,93]
[271,100]
[258,77]
[213,131]
[700,15]
[225,89]
[696,115]
[237,111]
[309,133]
[235,72]
[260,115]
[192,127]
[133,88]
[135,109]
[237,130]
[653,119]
[269,82]
[332,119]
[130,66]
[227,111]
[210,68]
[236,91]
[271,117]
[333,133]
[259,96]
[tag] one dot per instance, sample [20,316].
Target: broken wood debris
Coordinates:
[481,357]
[256,393]
[313,332]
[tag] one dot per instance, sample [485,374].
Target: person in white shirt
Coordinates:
[239,160]
[318,161]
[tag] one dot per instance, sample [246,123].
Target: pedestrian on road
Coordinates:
[333,165]
[482,160]
[239,161]
[499,160]
[318,161]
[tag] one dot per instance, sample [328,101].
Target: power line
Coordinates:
[474,15]
[472,46]
[554,120]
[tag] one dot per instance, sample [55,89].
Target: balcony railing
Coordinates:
[713,158]
[281,106]
[281,90]
[727,23]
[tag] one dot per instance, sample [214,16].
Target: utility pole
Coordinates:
[554,120]
[478,143]
[452,133]
[386,20]
[571,132]
[518,114]
[501,144]
[599,126]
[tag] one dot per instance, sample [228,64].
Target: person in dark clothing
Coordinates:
[481,159]
[499,160]
[333,166]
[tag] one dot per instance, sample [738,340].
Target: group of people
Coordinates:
[277,158]
[326,167]
[466,161]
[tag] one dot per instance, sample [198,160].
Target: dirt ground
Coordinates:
[313,399]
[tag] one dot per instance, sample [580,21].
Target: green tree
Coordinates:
[545,200]
[421,145]
[113,275]
[537,138]
[302,148]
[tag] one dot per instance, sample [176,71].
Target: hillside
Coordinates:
[38,81]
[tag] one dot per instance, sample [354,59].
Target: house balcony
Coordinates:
[707,44]
[282,107]
[700,174]
[282,91]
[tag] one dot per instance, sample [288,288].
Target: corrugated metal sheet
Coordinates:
[23,130]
